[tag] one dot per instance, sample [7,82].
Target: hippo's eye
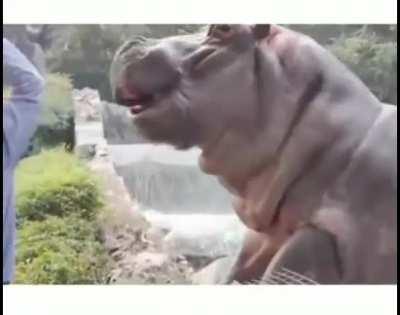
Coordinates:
[224,28]
[127,47]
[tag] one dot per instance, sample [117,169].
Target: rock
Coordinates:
[215,272]
[123,209]
[134,247]
[87,105]
[117,255]
[200,262]
[149,261]
[148,267]
[85,151]
[155,235]
[211,236]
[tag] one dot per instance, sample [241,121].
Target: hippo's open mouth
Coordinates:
[140,91]
[136,101]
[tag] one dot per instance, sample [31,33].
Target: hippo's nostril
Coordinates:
[224,27]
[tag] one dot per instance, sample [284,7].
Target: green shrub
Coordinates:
[59,241]
[373,61]
[60,251]
[56,123]
[56,183]
[58,101]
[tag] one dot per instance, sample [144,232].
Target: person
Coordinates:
[20,118]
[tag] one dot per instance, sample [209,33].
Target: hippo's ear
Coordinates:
[261,31]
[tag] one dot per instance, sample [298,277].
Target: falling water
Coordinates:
[171,189]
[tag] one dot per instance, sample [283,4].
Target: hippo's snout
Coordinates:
[145,75]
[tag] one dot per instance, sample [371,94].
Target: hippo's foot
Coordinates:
[308,257]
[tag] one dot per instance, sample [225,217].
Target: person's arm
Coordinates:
[21,113]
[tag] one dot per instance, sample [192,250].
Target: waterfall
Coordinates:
[171,190]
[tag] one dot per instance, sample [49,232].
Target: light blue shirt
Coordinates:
[20,118]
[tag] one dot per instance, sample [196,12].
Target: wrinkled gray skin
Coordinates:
[309,152]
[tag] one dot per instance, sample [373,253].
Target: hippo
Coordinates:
[305,148]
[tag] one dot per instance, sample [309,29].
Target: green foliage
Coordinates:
[60,251]
[56,125]
[55,183]
[373,61]
[59,241]
[58,102]
[326,33]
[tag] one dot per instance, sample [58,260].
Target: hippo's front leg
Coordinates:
[308,257]
[253,259]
